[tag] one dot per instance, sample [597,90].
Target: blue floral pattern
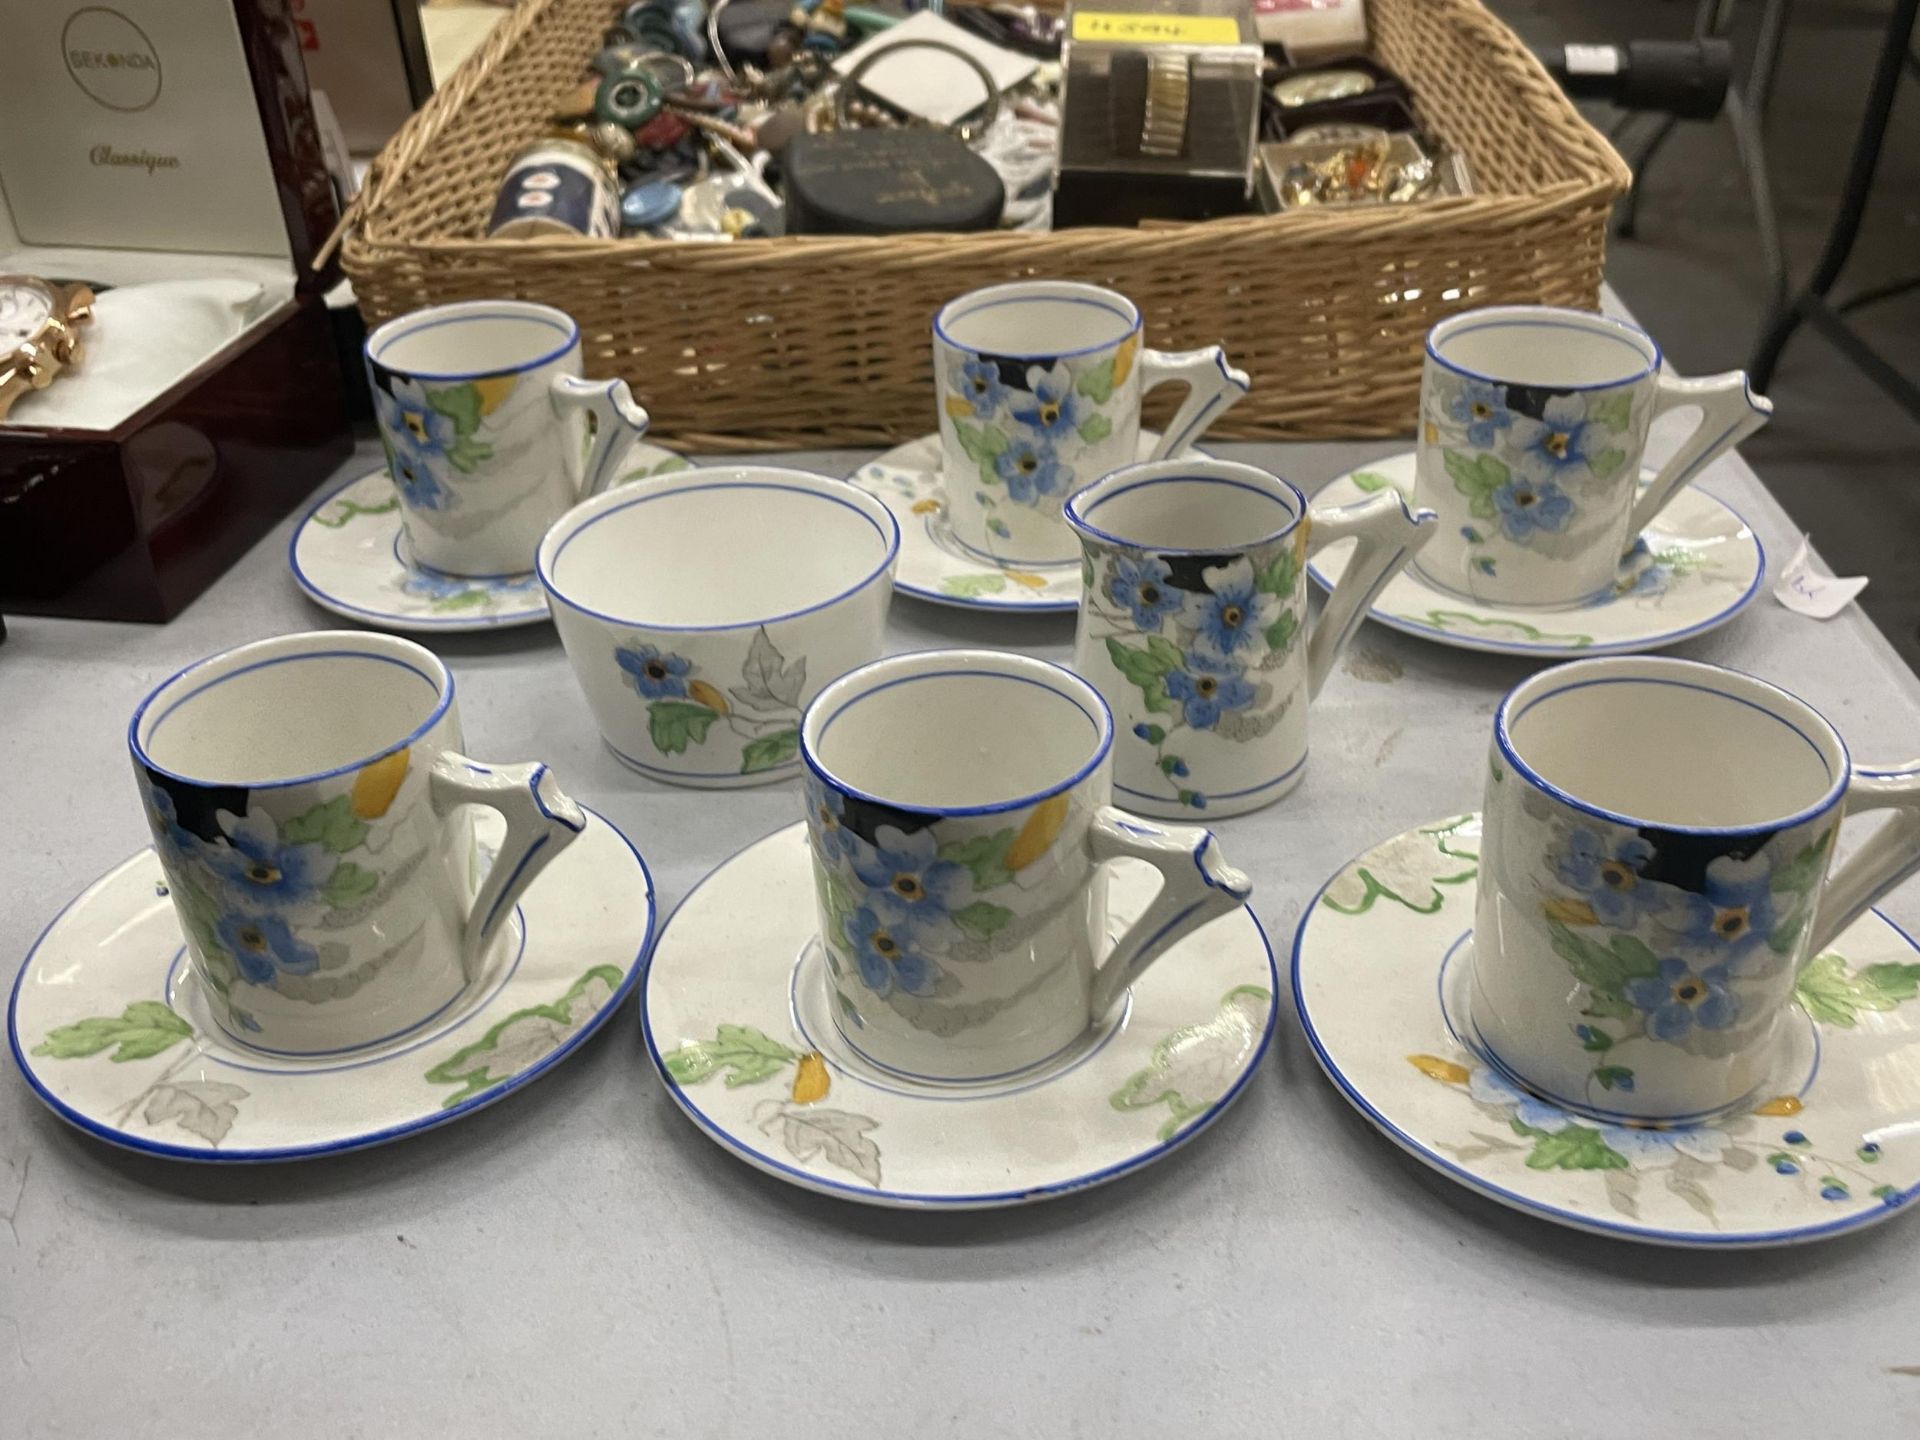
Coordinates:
[264,947]
[909,887]
[1664,962]
[1141,586]
[1199,654]
[884,958]
[419,441]
[259,866]
[1679,998]
[654,674]
[1561,440]
[1482,408]
[1027,435]
[1528,507]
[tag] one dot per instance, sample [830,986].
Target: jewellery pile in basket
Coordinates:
[679,127]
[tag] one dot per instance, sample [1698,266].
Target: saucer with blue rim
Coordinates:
[1381,968]
[935,566]
[349,554]
[111,1030]
[736,1012]
[1696,567]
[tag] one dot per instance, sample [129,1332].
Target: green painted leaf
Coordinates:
[1607,463]
[466,455]
[1802,872]
[332,825]
[1095,428]
[672,723]
[1097,383]
[1607,1007]
[1153,735]
[1611,1076]
[981,442]
[1143,665]
[1614,412]
[1154,696]
[525,1037]
[1165,653]
[1475,475]
[1170,763]
[349,885]
[1574,1148]
[1481,507]
[746,1054]
[1279,575]
[1636,960]
[982,919]
[1786,934]
[1604,971]
[1593,1041]
[984,855]
[460,600]
[769,751]
[1834,995]
[1887,1193]
[460,404]
[1281,633]
[969,587]
[142,1030]
[1370,480]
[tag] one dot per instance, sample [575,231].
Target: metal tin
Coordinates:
[1313,87]
[557,186]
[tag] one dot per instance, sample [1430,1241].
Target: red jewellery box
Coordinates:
[165,153]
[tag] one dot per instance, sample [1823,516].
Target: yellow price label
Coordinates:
[1114,29]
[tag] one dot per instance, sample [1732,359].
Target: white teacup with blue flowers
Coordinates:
[1654,874]
[313,817]
[489,430]
[1193,623]
[1533,420]
[958,820]
[1039,385]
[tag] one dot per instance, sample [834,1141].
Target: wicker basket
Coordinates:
[815,341]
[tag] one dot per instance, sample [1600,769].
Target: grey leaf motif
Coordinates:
[1251,724]
[771,683]
[838,1137]
[1738,1157]
[1684,1184]
[1623,1192]
[206,1108]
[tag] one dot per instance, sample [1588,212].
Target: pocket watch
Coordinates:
[38,338]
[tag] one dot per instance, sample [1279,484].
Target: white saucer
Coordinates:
[1379,973]
[734,1009]
[1697,567]
[110,1029]
[935,566]
[349,554]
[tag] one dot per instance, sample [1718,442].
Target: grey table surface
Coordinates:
[580,1260]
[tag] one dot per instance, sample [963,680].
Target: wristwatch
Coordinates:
[1163,124]
[38,338]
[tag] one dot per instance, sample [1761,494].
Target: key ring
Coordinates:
[970,134]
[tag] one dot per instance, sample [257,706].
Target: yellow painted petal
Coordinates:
[959,407]
[1040,831]
[376,784]
[810,1080]
[493,390]
[1571,912]
[706,695]
[1032,582]
[925,507]
[1300,534]
[1781,1105]
[1445,1071]
[1123,359]
[1433,433]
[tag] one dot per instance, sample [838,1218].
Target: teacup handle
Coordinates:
[541,822]
[1198,886]
[616,421]
[1729,413]
[1212,387]
[1391,534]
[1890,854]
